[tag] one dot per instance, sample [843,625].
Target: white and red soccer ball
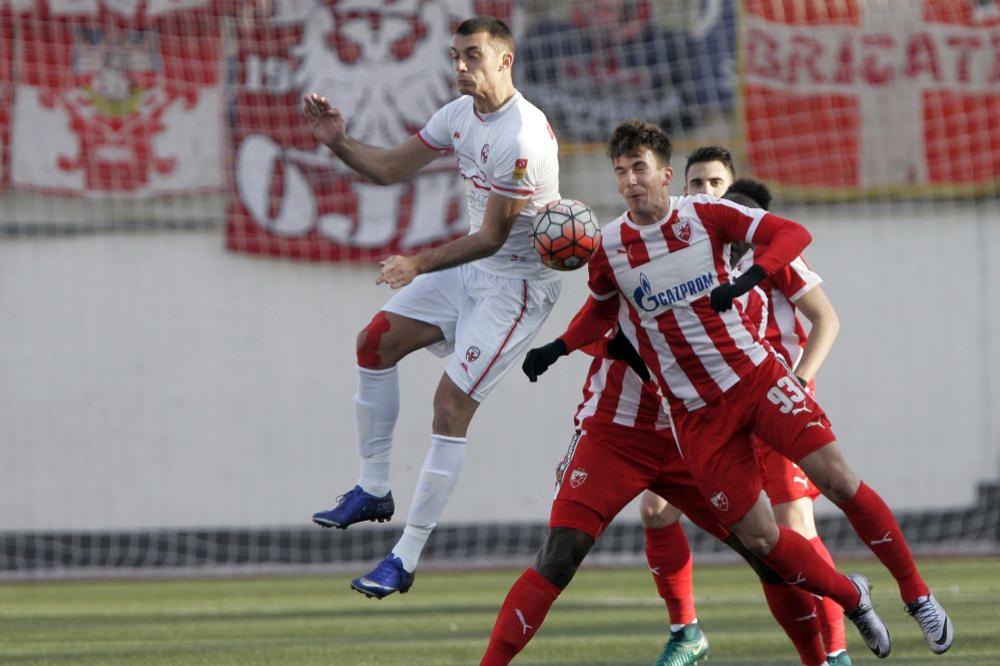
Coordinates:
[565,234]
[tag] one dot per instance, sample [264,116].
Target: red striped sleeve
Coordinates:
[591,323]
[785,240]
[601,277]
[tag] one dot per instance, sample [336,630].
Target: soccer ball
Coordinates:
[565,233]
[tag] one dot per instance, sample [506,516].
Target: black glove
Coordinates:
[539,359]
[723,295]
[621,349]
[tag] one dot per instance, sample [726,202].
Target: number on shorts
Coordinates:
[785,393]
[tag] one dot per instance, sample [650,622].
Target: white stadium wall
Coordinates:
[156,380]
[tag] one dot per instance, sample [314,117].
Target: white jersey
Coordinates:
[512,151]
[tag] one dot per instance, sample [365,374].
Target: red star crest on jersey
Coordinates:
[577,477]
[682,230]
[720,501]
[472,353]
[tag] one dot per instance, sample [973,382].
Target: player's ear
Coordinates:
[506,60]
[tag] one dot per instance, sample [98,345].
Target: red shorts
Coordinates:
[607,467]
[783,480]
[717,440]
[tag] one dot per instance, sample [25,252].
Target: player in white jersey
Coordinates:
[667,260]
[480,298]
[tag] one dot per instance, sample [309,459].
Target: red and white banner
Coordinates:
[386,67]
[889,97]
[118,97]
[6,89]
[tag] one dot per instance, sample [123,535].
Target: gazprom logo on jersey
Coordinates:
[648,301]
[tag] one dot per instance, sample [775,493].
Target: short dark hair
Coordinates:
[498,31]
[710,154]
[754,189]
[633,135]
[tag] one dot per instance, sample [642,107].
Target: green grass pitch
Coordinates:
[607,616]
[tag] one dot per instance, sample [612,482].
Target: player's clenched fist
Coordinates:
[398,271]
[539,359]
[327,123]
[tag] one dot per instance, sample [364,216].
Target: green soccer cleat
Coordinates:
[686,646]
[841,659]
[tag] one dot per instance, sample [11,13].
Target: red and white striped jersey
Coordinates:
[614,395]
[783,329]
[664,273]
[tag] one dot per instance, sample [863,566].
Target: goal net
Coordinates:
[183,269]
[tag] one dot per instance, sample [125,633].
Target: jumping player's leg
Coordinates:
[794,424]
[495,320]
[380,346]
[423,314]
[869,515]
[453,411]
[717,447]
[792,496]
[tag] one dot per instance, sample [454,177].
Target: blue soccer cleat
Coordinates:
[388,577]
[354,507]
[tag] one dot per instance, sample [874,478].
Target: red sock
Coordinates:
[872,519]
[522,612]
[831,614]
[795,610]
[669,558]
[796,561]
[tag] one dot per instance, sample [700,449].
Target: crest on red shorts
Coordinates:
[682,230]
[472,353]
[577,477]
[720,501]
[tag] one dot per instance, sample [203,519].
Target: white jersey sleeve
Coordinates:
[521,163]
[437,133]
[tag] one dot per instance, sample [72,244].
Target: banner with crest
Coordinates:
[855,99]
[117,97]
[386,67]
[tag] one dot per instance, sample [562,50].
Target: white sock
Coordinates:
[438,477]
[376,408]
[678,627]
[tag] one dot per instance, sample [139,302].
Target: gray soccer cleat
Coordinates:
[869,624]
[933,621]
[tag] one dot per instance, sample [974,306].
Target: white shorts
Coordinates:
[489,320]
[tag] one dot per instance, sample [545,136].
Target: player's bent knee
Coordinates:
[656,513]
[761,568]
[561,554]
[368,345]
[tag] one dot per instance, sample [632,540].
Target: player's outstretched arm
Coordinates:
[595,319]
[501,212]
[382,166]
[817,308]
